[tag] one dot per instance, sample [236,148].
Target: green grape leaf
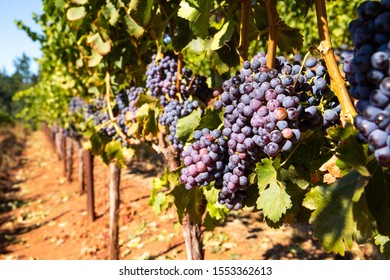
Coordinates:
[295,177]
[266,173]
[144,11]
[332,216]
[143,99]
[384,243]
[222,36]
[351,152]
[211,119]
[378,196]
[317,152]
[289,39]
[110,13]
[189,202]
[147,119]
[95,143]
[199,45]
[133,27]
[187,124]
[76,13]
[159,203]
[274,201]
[218,64]
[183,36]
[216,213]
[158,200]
[198,14]
[113,151]
[273,198]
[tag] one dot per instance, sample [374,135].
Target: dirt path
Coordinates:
[44,217]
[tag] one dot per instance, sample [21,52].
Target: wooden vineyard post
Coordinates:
[192,238]
[58,143]
[348,111]
[52,138]
[89,182]
[69,159]
[115,171]
[80,151]
[63,148]
[191,232]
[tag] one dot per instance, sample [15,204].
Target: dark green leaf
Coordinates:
[332,216]
[352,153]
[190,202]
[211,119]
[378,197]
[183,36]
[316,152]
[144,11]
[289,39]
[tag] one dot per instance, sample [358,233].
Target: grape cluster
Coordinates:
[204,159]
[367,71]
[132,96]
[71,131]
[76,106]
[161,78]
[265,112]
[125,109]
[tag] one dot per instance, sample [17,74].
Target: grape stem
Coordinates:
[348,111]
[273,18]
[302,65]
[179,74]
[243,45]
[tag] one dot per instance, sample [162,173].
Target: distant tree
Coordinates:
[21,79]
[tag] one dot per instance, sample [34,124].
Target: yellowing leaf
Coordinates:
[76,13]
[80,2]
[134,28]
[97,43]
[95,59]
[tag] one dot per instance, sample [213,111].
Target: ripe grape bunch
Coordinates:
[368,74]
[125,110]
[76,108]
[265,112]
[161,77]
[97,110]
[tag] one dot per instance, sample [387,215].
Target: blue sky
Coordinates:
[15,42]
